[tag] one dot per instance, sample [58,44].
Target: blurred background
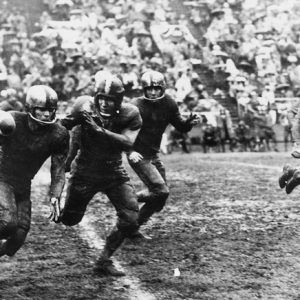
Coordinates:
[234,62]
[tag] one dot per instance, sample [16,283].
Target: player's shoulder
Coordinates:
[169,102]
[19,117]
[18,114]
[59,132]
[169,99]
[137,101]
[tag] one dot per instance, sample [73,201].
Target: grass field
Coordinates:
[227,227]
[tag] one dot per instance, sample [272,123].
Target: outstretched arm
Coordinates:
[184,125]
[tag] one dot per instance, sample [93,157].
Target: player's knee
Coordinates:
[129,224]
[161,191]
[164,194]
[71,218]
[16,242]
[161,198]
[7,228]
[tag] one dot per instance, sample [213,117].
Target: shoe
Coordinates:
[288,172]
[296,151]
[106,267]
[293,182]
[137,235]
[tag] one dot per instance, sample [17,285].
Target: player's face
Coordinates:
[106,107]
[153,92]
[44,114]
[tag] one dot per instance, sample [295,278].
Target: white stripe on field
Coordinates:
[88,233]
[242,164]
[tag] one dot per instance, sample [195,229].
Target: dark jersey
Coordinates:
[156,117]
[100,148]
[23,153]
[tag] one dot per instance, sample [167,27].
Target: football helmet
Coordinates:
[41,98]
[109,93]
[151,79]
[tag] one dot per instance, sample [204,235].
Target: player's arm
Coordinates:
[125,139]
[183,125]
[57,170]
[74,147]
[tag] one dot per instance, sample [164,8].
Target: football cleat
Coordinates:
[138,236]
[287,174]
[105,267]
[293,182]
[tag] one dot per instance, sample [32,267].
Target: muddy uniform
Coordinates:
[98,167]
[156,117]
[21,156]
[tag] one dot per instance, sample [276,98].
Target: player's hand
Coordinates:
[135,157]
[91,124]
[89,121]
[193,119]
[55,210]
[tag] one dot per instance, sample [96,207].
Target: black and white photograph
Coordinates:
[149,150]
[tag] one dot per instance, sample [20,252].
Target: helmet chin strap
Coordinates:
[42,122]
[154,100]
[105,115]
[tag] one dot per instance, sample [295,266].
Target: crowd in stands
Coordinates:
[248,55]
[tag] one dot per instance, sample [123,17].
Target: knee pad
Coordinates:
[71,218]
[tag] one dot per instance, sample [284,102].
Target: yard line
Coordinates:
[88,233]
[257,166]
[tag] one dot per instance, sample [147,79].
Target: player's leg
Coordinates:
[79,194]
[16,240]
[124,200]
[158,190]
[8,211]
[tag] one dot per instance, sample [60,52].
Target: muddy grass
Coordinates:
[227,227]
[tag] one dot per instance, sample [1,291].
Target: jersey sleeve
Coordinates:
[135,121]
[176,119]
[61,141]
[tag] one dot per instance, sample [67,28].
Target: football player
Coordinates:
[158,110]
[25,146]
[106,127]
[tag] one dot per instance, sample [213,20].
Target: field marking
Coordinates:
[257,166]
[88,233]
[132,283]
